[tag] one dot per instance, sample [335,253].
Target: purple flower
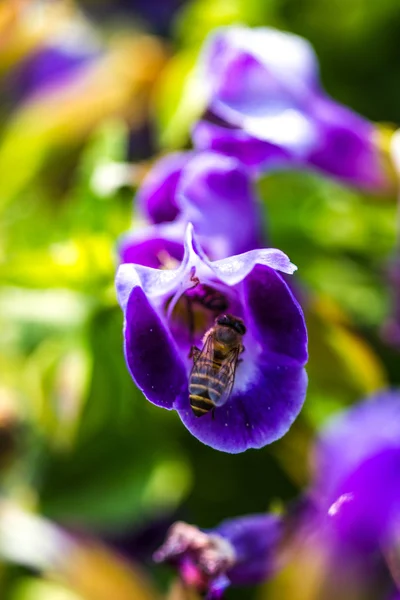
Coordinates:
[212,191]
[50,66]
[357,482]
[168,311]
[264,85]
[239,551]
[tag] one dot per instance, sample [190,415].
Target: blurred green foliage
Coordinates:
[89,451]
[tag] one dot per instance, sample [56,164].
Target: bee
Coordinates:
[214,366]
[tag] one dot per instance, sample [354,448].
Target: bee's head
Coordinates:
[233,322]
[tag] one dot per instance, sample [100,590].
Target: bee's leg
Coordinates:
[242,349]
[194,353]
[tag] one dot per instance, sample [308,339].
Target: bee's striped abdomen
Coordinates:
[200,405]
[206,386]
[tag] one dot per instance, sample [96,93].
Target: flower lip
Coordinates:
[229,271]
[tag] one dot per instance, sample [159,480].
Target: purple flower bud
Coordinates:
[239,551]
[257,383]
[212,191]
[264,85]
[357,480]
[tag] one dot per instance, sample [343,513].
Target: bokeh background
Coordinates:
[91,93]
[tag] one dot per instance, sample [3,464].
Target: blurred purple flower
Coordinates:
[357,481]
[48,67]
[264,85]
[239,551]
[159,246]
[157,196]
[212,191]
[168,310]
[253,153]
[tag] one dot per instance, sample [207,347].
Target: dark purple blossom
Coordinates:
[166,313]
[241,551]
[357,482]
[212,191]
[264,84]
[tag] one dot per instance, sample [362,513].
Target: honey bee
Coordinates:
[214,366]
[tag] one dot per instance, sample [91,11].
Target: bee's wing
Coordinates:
[202,358]
[226,376]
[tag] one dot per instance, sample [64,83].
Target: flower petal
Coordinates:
[353,437]
[152,357]
[367,507]
[156,197]
[158,283]
[234,269]
[153,246]
[214,193]
[274,315]
[255,539]
[254,418]
[258,72]
[252,152]
[346,147]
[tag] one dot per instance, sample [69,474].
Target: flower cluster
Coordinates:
[212,329]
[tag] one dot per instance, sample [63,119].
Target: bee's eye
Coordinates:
[240,328]
[223,320]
